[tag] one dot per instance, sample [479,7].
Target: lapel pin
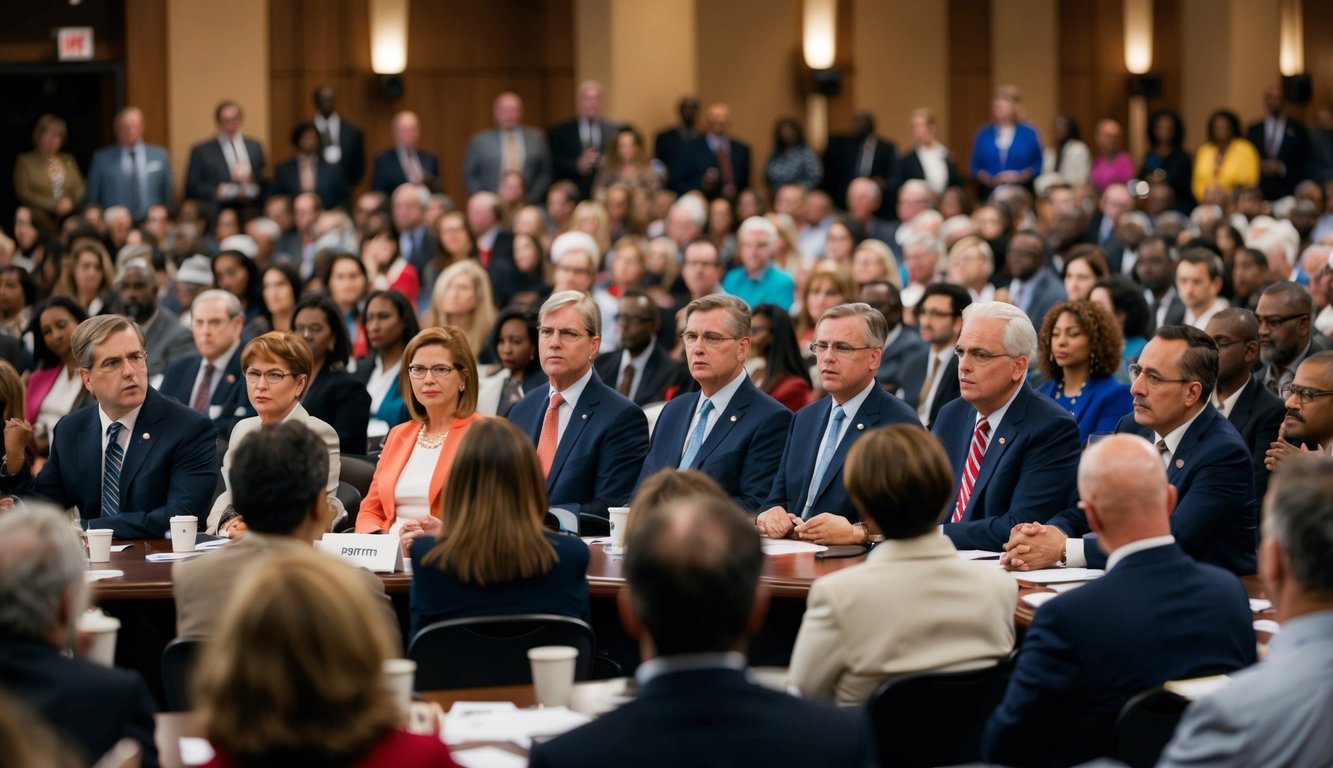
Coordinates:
[860,426]
[145,435]
[585,417]
[231,379]
[733,418]
[1180,463]
[1002,441]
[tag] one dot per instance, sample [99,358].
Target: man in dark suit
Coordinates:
[930,376]
[210,381]
[693,571]
[903,343]
[1155,270]
[641,369]
[495,245]
[42,588]
[309,171]
[136,298]
[1013,452]
[405,162]
[1241,398]
[1035,287]
[715,163]
[927,152]
[864,201]
[1155,616]
[1205,459]
[130,172]
[859,154]
[416,242]
[133,461]
[579,145]
[590,439]
[1286,332]
[342,142]
[668,143]
[729,430]
[1284,148]
[808,500]
[227,169]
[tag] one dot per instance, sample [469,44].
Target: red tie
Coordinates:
[974,456]
[202,397]
[724,163]
[550,437]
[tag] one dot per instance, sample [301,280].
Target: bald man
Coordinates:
[1156,615]
[405,161]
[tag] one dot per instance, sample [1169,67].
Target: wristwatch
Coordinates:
[868,539]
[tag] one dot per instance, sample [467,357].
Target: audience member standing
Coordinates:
[405,162]
[46,178]
[131,173]
[715,163]
[341,141]
[858,154]
[1284,148]
[228,169]
[578,146]
[509,146]
[1006,151]
[668,143]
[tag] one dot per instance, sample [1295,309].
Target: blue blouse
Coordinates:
[1098,408]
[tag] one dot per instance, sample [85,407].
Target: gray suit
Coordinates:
[1273,713]
[481,163]
[109,181]
[165,340]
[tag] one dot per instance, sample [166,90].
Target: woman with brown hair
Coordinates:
[1085,264]
[440,391]
[492,555]
[628,164]
[47,178]
[293,675]
[462,298]
[88,276]
[827,287]
[1079,349]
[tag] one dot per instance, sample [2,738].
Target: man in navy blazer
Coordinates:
[715,163]
[1156,615]
[168,453]
[808,500]
[1206,462]
[405,161]
[729,430]
[692,569]
[227,169]
[1028,446]
[579,146]
[1241,396]
[211,381]
[902,345]
[130,172]
[590,439]
[1035,287]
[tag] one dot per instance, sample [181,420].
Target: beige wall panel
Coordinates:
[902,62]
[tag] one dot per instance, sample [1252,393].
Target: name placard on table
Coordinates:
[375,552]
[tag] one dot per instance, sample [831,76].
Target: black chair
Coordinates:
[594,525]
[935,718]
[178,660]
[493,650]
[356,471]
[1145,726]
[351,499]
[222,481]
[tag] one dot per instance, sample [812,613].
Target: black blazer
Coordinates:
[898,358]
[330,184]
[389,174]
[667,146]
[1294,154]
[914,379]
[696,158]
[1257,416]
[842,163]
[230,402]
[208,168]
[908,166]
[659,373]
[343,403]
[566,146]
[91,706]
[351,142]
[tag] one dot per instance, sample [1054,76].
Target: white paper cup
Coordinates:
[104,630]
[553,674]
[183,531]
[618,517]
[99,545]
[400,678]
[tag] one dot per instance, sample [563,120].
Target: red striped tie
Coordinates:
[979,442]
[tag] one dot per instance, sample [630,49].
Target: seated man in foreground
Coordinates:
[693,596]
[1156,615]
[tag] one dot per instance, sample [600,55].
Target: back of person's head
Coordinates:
[1298,516]
[294,668]
[41,573]
[12,392]
[1121,477]
[667,486]
[277,472]
[899,477]
[693,569]
[27,740]
[493,509]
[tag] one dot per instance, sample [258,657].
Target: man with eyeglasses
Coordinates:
[808,500]
[133,461]
[1035,287]
[930,375]
[1255,412]
[1205,458]
[730,430]
[640,370]
[591,440]
[1308,399]
[1284,313]
[1014,453]
[210,381]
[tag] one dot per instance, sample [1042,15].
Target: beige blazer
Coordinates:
[912,606]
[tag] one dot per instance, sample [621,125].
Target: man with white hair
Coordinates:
[1013,451]
[575,257]
[863,200]
[118,225]
[685,220]
[922,253]
[211,381]
[415,242]
[756,281]
[266,234]
[405,162]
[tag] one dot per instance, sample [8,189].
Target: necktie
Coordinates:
[550,437]
[1274,139]
[867,157]
[627,380]
[115,455]
[414,171]
[696,440]
[927,386]
[825,457]
[134,185]
[1165,451]
[307,174]
[980,439]
[202,397]
[240,172]
[724,163]
[510,162]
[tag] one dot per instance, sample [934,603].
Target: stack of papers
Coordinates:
[473,721]
[166,557]
[977,554]
[91,576]
[1058,575]
[789,546]
[204,546]
[1037,599]
[1257,605]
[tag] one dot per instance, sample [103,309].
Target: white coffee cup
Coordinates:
[99,544]
[553,674]
[103,629]
[184,528]
[619,515]
[400,678]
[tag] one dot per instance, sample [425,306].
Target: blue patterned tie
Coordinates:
[697,436]
[825,458]
[115,455]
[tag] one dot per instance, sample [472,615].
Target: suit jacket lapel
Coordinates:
[141,442]
[90,459]
[1243,410]
[1000,441]
[1181,458]
[866,415]
[727,420]
[801,459]
[583,410]
[673,434]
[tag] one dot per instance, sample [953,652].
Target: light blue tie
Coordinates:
[825,458]
[111,471]
[697,436]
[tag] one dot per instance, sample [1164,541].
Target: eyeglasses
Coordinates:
[1273,321]
[1154,379]
[840,348]
[1304,394]
[437,372]
[711,339]
[567,335]
[978,356]
[114,364]
[272,377]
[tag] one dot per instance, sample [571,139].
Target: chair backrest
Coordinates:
[357,472]
[222,481]
[1145,726]
[351,501]
[493,650]
[178,660]
[935,718]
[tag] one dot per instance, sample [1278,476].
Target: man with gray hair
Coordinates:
[1277,711]
[136,298]
[210,380]
[42,596]
[1013,452]
[756,281]
[130,463]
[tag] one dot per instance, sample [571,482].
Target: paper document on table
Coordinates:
[483,721]
[977,554]
[166,557]
[789,546]
[1058,575]
[1267,625]
[120,547]
[1066,587]
[1036,599]
[488,757]
[204,546]
[91,576]
[1197,687]
[1258,604]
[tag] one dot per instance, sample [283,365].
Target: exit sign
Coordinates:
[74,43]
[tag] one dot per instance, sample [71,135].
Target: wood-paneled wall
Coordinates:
[1319,52]
[970,86]
[460,54]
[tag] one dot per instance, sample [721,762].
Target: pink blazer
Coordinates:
[377,509]
[40,382]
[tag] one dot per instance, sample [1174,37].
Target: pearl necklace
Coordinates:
[430,443]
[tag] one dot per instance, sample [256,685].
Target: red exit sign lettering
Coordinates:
[74,43]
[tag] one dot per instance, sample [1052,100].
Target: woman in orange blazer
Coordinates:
[440,390]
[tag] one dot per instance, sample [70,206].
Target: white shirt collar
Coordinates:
[127,421]
[722,398]
[688,662]
[996,416]
[220,364]
[575,390]
[1174,437]
[638,360]
[1134,547]
[1224,407]
[853,403]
